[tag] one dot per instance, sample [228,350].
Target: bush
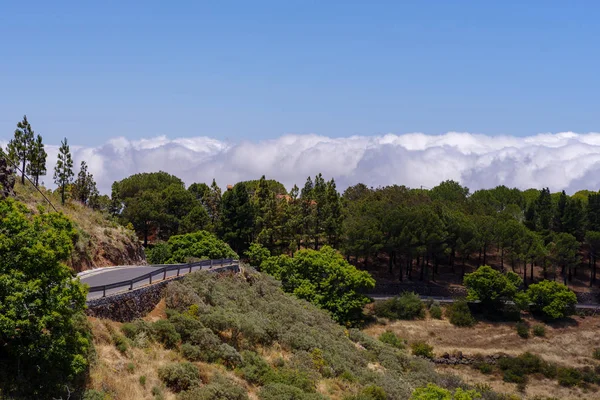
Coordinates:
[158,254]
[280,391]
[221,389]
[192,353]
[120,343]
[435,311]
[179,376]
[254,368]
[143,380]
[374,392]
[516,369]
[551,299]
[522,329]
[228,356]
[539,330]
[180,297]
[407,306]
[422,349]
[459,314]
[164,332]
[197,245]
[434,392]
[485,368]
[596,353]
[568,377]
[91,394]
[491,287]
[392,339]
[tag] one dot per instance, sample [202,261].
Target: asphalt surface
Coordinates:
[109,275]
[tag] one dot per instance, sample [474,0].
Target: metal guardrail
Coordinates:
[162,270]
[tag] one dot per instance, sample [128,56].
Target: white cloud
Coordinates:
[565,160]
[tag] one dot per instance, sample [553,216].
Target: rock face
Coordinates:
[7,179]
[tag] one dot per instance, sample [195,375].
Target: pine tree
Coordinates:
[37,160]
[19,148]
[63,172]
[84,188]
[333,221]
[213,202]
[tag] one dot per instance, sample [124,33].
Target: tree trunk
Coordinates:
[479,259]
[525,273]
[23,172]
[399,269]
[485,254]
[502,258]
[531,271]
[422,272]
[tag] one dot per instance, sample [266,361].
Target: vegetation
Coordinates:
[44,336]
[539,330]
[392,339]
[459,314]
[199,245]
[491,287]
[422,349]
[522,329]
[551,299]
[434,392]
[325,279]
[407,306]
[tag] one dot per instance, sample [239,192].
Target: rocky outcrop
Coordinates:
[7,179]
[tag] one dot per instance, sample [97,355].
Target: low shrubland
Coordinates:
[406,306]
[245,318]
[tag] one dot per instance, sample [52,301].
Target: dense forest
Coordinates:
[410,233]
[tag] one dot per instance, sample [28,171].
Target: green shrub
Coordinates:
[596,353]
[131,367]
[522,329]
[422,349]
[158,254]
[192,352]
[568,377]
[221,389]
[374,392]
[485,368]
[435,311]
[254,368]
[551,299]
[459,314]
[392,339]
[434,392]
[120,343]
[227,355]
[180,297]
[280,391]
[91,394]
[179,376]
[164,332]
[129,330]
[539,330]
[143,380]
[407,306]
[157,393]
[491,287]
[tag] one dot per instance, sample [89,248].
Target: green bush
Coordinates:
[181,297]
[91,394]
[422,349]
[131,367]
[120,343]
[459,314]
[491,287]
[192,353]
[197,245]
[228,355]
[221,389]
[407,306]
[164,332]
[158,254]
[568,377]
[435,311]
[539,330]
[392,339]
[522,329]
[434,392]
[596,353]
[254,368]
[143,380]
[516,369]
[280,391]
[179,376]
[373,392]
[485,368]
[551,299]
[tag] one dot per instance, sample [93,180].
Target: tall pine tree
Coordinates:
[37,160]
[84,188]
[20,147]
[63,172]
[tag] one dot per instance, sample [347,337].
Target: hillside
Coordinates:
[239,337]
[100,241]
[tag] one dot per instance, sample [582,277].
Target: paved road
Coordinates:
[109,275]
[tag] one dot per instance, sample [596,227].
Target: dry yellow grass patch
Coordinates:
[567,344]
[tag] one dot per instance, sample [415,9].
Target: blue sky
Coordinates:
[256,70]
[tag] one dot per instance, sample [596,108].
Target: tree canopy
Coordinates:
[44,342]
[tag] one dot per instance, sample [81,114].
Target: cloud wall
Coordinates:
[560,161]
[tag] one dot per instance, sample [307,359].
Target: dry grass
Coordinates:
[569,344]
[101,242]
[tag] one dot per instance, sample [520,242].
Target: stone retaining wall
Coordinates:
[127,306]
